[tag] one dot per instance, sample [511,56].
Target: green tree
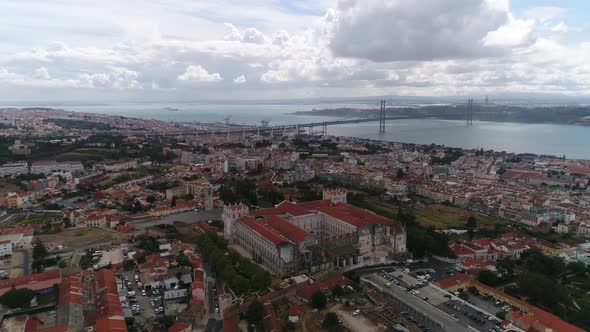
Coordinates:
[255,313]
[337,291]
[331,322]
[39,254]
[319,300]
[488,277]
[260,279]
[471,226]
[541,290]
[17,298]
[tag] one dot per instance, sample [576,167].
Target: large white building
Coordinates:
[49,166]
[312,236]
[14,169]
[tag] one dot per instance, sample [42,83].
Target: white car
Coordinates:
[356,312]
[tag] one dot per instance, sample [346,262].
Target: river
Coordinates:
[551,139]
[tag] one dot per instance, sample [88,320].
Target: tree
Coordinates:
[400,173]
[319,300]
[255,313]
[488,277]
[471,222]
[337,291]
[471,226]
[331,322]
[577,268]
[39,254]
[17,298]
[541,290]
[151,199]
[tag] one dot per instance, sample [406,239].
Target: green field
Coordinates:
[442,216]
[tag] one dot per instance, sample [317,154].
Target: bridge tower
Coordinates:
[324,129]
[382,117]
[469,111]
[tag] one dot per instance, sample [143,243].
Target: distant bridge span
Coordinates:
[301,126]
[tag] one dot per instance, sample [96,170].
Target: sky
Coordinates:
[131,51]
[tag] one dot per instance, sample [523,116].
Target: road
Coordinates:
[187,217]
[26,261]
[214,324]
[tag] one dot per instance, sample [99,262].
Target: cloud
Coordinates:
[199,74]
[232,33]
[249,35]
[560,27]
[545,14]
[240,79]
[360,47]
[118,78]
[417,31]
[513,34]
[254,36]
[280,37]
[41,73]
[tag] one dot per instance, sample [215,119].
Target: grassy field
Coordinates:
[442,216]
[82,237]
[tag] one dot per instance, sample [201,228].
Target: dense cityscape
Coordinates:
[294,166]
[109,225]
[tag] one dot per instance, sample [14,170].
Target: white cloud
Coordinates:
[249,35]
[560,27]
[232,33]
[254,36]
[545,14]
[361,47]
[199,74]
[425,30]
[41,73]
[118,78]
[513,34]
[240,79]
[280,37]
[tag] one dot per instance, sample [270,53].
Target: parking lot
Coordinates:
[461,312]
[143,307]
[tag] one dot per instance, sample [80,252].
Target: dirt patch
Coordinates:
[354,323]
[81,237]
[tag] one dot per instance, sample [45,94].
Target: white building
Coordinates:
[49,166]
[5,248]
[14,169]
[119,166]
[292,238]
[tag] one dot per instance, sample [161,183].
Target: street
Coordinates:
[214,324]
[26,261]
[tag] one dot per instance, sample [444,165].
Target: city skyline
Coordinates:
[192,50]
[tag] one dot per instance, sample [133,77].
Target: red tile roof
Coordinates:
[34,282]
[58,328]
[292,209]
[106,324]
[353,215]
[179,326]
[271,322]
[287,229]
[269,233]
[454,280]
